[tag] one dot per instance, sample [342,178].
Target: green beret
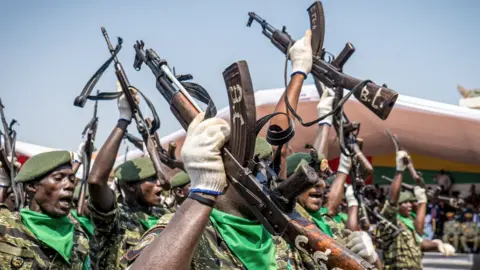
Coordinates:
[180,179]
[406,196]
[135,170]
[42,164]
[263,149]
[294,161]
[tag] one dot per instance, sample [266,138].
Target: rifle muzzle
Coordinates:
[304,178]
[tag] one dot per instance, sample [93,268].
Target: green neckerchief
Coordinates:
[409,223]
[248,240]
[56,233]
[86,223]
[341,218]
[413,214]
[149,222]
[320,221]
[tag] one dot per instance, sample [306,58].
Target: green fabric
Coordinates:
[413,215]
[56,233]
[149,222]
[86,223]
[42,164]
[135,170]
[86,263]
[263,149]
[180,179]
[248,240]
[320,221]
[294,161]
[340,218]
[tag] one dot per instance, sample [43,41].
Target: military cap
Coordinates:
[263,149]
[406,196]
[42,164]
[294,161]
[180,179]
[135,170]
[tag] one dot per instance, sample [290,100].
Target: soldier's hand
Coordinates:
[201,154]
[420,194]
[324,107]
[350,197]
[123,105]
[445,248]
[401,156]
[301,54]
[78,156]
[360,243]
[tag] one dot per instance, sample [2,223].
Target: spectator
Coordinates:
[443,180]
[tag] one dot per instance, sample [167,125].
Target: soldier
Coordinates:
[404,250]
[119,226]
[470,233]
[214,227]
[180,188]
[451,230]
[43,235]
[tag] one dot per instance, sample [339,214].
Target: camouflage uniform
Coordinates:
[20,249]
[116,232]
[121,228]
[213,253]
[337,228]
[401,250]
[451,230]
[470,234]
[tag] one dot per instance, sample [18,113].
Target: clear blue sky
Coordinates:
[49,49]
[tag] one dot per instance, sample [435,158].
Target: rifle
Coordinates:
[142,126]
[91,131]
[433,194]
[418,179]
[240,164]
[380,100]
[8,157]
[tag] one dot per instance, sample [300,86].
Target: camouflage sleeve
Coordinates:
[390,212]
[147,238]
[104,222]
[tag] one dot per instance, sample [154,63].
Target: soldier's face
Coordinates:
[312,199]
[151,192]
[54,193]
[405,209]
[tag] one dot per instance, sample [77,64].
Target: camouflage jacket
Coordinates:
[401,250]
[20,249]
[116,232]
[213,253]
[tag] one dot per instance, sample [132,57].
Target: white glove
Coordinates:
[201,154]
[324,107]
[445,248]
[360,243]
[78,156]
[345,164]
[15,162]
[351,200]
[401,166]
[420,194]
[301,54]
[145,151]
[122,103]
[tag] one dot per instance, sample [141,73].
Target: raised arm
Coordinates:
[175,247]
[335,195]
[101,196]
[301,57]
[396,186]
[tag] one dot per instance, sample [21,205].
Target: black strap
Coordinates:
[198,92]
[201,199]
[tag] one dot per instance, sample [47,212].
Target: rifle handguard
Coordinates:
[287,191]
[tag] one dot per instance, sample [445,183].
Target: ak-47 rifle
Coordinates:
[91,131]
[240,165]
[432,195]
[8,157]
[418,178]
[380,100]
[142,126]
